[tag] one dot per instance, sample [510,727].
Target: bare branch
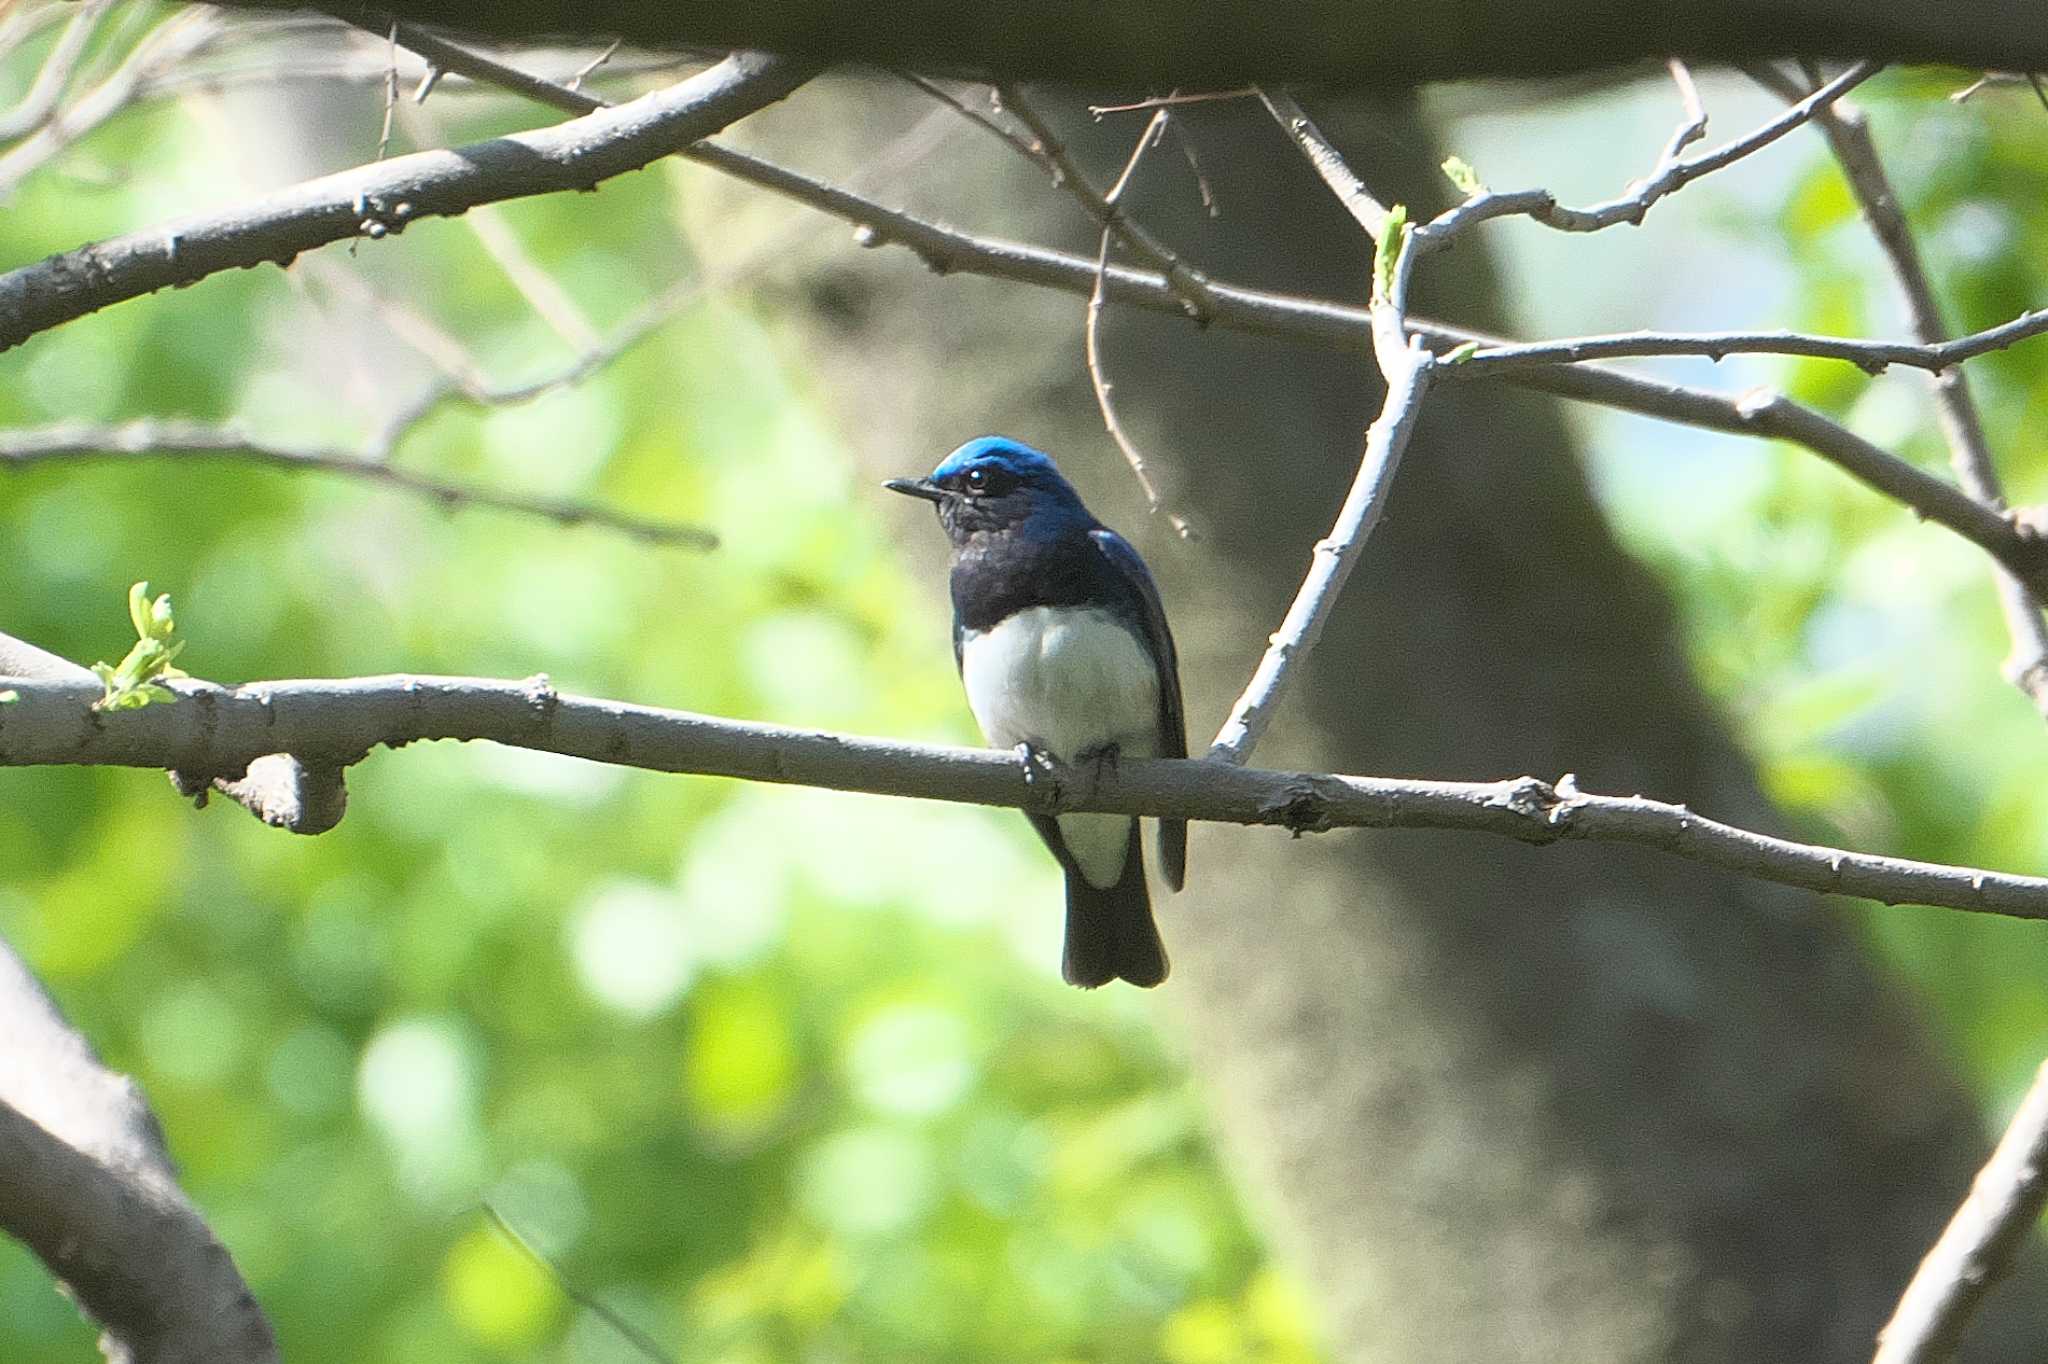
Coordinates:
[152,60]
[386,197]
[54,75]
[1870,356]
[174,439]
[1978,1247]
[1407,367]
[1351,192]
[1091,336]
[1848,134]
[1669,176]
[1191,284]
[89,1188]
[222,729]
[1408,370]
[1345,326]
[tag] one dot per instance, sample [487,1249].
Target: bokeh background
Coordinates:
[779,1074]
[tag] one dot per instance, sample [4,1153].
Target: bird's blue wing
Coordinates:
[1150,615]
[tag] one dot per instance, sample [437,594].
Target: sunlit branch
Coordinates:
[159,54]
[160,439]
[35,107]
[1357,200]
[385,198]
[948,250]
[1870,356]
[1962,425]
[1406,367]
[218,730]
[1980,1245]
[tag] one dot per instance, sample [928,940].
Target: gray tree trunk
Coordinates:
[1494,1103]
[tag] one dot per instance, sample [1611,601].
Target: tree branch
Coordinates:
[1848,134]
[85,1183]
[220,730]
[1873,357]
[152,438]
[1344,44]
[1672,173]
[387,196]
[1979,1245]
[1346,326]
[1407,369]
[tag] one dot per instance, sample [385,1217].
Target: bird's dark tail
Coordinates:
[1110,933]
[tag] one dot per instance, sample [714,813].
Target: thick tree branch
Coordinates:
[85,1183]
[1980,1244]
[387,196]
[220,730]
[1163,44]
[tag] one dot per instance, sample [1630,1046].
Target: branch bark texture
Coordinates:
[86,1183]
[387,196]
[220,731]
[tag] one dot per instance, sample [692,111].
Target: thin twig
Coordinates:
[1321,322]
[1848,134]
[1981,1242]
[1872,357]
[583,72]
[163,50]
[1407,366]
[54,75]
[1694,128]
[390,92]
[1091,335]
[1670,175]
[1174,100]
[1045,147]
[1408,374]
[1351,192]
[174,439]
[647,1345]
[220,729]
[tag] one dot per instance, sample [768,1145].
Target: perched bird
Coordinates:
[1063,646]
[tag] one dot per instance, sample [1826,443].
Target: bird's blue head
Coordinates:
[995,484]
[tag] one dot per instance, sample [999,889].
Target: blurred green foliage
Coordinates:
[771,1073]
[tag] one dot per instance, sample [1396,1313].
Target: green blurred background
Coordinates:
[778,1073]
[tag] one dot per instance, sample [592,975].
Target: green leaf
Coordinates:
[9,697]
[1459,354]
[1460,173]
[134,682]
[1386,257]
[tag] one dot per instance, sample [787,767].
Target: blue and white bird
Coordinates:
[1063,645]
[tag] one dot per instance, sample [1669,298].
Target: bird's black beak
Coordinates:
[916,487]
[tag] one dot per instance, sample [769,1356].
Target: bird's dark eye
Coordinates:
[977,480]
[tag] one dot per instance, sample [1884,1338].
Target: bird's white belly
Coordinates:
[1067,680]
